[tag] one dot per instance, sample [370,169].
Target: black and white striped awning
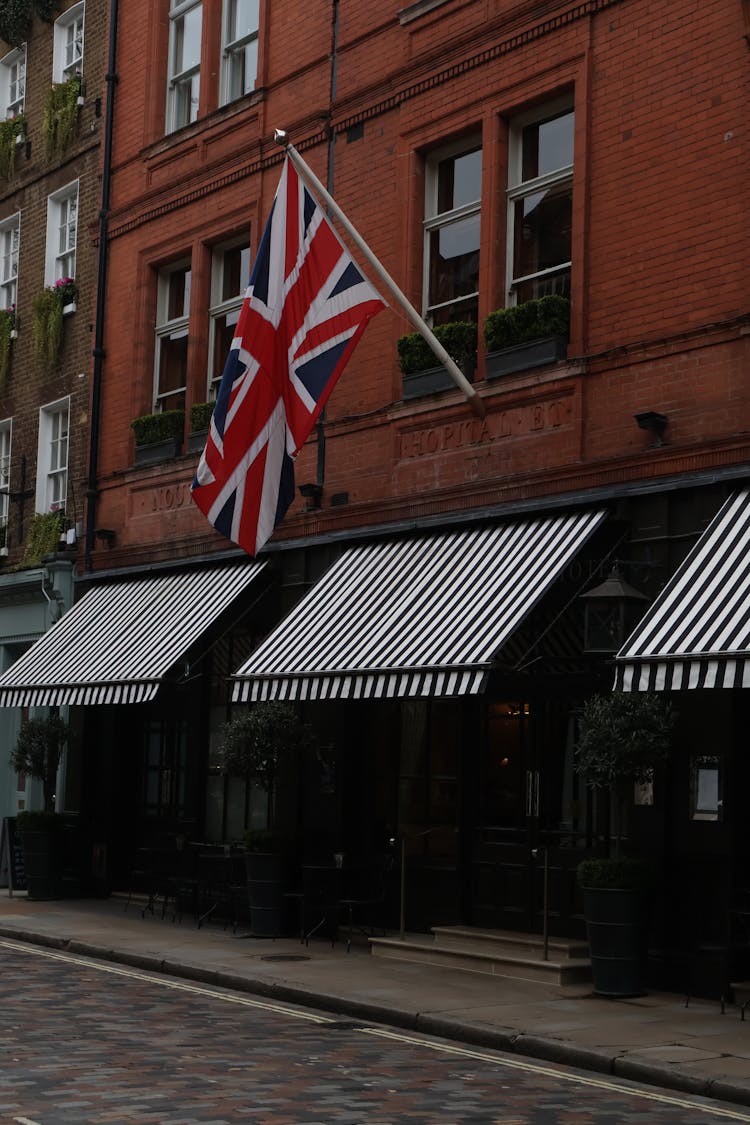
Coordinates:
[413,617]
[119,641]
[697,632]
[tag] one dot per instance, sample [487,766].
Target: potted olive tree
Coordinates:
[37,753]
[254,745]
[623,738]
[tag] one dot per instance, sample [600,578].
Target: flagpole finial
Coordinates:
[281,137]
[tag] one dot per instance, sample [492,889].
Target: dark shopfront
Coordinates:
[443,704]
[444,711]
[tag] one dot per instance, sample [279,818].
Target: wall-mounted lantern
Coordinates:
[611,612]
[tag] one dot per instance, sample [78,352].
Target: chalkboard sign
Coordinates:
[12,874]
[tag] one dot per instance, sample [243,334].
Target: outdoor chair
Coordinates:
[363,903]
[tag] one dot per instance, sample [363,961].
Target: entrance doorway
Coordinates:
[532,812]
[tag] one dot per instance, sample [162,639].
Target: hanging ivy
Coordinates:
[10,131]
[60,119]
[7,324]
[16,17]
[47,326]
[42,538]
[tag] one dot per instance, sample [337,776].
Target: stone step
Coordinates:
[510,943]
[427,951]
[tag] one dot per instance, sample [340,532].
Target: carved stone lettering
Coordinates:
[520,420]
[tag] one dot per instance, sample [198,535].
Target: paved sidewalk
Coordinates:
[653,1039]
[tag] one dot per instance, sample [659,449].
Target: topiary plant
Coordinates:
[200,416]
[532,320]
[150,429]
[253,743]
[458,337]
[623,737]
[38,751]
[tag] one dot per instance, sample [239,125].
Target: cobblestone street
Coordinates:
[85,1043]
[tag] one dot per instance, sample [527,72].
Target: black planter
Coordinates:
[432,380]
[157,451]
[43,863]
[265,889]
[617,931]
[522,357]
[196,441]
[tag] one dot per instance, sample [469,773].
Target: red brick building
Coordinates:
[489,156]
[51,124]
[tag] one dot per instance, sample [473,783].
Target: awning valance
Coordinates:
[413,617]
[118,642]
[697,632]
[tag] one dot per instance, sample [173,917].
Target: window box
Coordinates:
[158,437]
[522,357]
[200,420]
[421,375]
[432,380]
[196,441]
[526,335]
[69,309]
[157,451]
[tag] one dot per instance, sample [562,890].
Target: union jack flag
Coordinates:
[304,311]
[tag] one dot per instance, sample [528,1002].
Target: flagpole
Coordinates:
[424,330]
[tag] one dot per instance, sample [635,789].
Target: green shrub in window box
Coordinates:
[200,420]
[458,337]
[200,416]
[152,428]
[527,335]
[422,372]
[158,436]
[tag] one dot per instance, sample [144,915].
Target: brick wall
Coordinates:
[660,246]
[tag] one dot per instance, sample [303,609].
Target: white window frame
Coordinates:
[52,456]
[233,49]
[6,445]
[13,82]
[435,220]
[10,245]
[518,190]
[221,307]
[68,47]
[62,233]
[166,329]
[178,80]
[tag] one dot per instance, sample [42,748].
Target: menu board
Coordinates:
[12,873]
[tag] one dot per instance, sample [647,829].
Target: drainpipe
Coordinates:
[320,425]
[92,492]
